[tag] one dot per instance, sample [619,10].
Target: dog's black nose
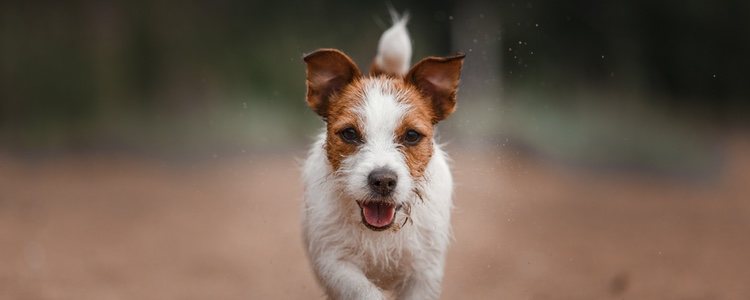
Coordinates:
[382,181]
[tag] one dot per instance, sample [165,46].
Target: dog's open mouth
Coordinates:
[378,215]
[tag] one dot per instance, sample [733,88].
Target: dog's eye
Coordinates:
[412,137]
[350,135]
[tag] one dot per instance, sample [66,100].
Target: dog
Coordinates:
[377,185]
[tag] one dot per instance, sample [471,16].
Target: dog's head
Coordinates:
[380,126]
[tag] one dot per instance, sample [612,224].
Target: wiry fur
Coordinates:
[350,260]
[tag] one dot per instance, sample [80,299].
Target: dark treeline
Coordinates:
[73,65]
[687,52]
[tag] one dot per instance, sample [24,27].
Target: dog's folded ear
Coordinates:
[437,79]
[328,71]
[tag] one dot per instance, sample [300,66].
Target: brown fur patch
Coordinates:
[341,115]
[419,118]
[376,70]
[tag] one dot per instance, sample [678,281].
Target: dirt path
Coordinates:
[105,228]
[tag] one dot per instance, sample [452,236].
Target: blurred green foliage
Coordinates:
[227,75]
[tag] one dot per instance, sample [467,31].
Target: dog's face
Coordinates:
[380,127]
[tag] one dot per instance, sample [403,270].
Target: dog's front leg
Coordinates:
[345,280]
[424,283]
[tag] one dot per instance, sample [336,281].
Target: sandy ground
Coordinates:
[127,228]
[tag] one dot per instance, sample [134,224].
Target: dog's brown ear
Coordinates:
[437,78]
[328,71]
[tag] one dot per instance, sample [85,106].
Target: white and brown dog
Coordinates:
[377,185]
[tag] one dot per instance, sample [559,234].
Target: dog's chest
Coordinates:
[385,257]
[386,274]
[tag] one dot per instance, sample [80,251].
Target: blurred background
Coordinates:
[149,149]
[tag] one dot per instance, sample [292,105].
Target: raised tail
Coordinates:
[394,48]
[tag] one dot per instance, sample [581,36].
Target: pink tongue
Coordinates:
[378,214]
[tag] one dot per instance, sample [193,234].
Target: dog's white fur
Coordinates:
[394,47]
[350,260]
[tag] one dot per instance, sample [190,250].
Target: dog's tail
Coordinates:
[394,48]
